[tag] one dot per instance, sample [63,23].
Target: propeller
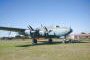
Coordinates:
[33,33]
[30,28]
[46,31]
[9,34]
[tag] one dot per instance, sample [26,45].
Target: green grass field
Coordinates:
[23,50]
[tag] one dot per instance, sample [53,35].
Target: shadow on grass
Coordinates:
[46,43]
[24,45]
[43,43]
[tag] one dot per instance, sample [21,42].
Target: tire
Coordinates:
[34,41]
[50,40]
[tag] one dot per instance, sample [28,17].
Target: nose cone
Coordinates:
[69,31]
[65,31]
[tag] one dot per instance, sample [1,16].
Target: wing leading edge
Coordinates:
[12,29]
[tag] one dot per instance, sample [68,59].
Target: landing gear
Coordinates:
[50,40]
[63,41]
[34,41]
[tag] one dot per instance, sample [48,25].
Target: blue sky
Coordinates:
[21,13]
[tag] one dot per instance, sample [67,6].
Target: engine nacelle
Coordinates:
[27,32]
[42,33]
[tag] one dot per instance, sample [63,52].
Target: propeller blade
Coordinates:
[30,28]
[45,28]
[41,25]
[9,34]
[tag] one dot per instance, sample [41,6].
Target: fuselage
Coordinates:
[53,32]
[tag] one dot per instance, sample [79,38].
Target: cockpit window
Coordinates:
[57,26]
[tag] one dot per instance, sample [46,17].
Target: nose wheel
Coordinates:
[63,41]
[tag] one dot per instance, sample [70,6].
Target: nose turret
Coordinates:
[65,31]
[69,31]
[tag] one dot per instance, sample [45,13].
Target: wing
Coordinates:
[12,29]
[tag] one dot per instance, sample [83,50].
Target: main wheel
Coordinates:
[34,41]
[50,40]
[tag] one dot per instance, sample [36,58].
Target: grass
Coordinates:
[23,50]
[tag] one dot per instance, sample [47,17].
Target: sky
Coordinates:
[21,13]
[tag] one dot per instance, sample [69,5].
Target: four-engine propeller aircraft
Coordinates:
[45,32]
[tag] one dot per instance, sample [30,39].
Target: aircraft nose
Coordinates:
[70,30]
